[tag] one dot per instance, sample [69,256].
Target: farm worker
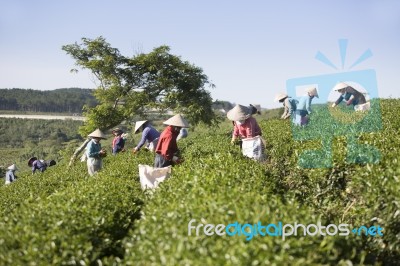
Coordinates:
[303,108]
[183,133]
[349,94]
[254,110]
[10,174]
[289,104]
[167,148]
[118,142]
[37,164]
[40,165]
[244,125]
[149,135]
[94,152]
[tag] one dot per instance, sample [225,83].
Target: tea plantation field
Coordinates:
[64,217]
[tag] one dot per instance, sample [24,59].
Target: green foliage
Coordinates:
[224,105]
[21,139]
[103,117]
[69,100]
[64,217]
[61,217]
[157,80]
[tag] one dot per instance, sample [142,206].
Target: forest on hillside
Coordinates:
[21,139]
[68,100]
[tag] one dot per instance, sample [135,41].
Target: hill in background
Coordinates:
[68,100]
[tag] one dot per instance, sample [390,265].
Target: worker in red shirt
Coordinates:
[167,149]
[244,125]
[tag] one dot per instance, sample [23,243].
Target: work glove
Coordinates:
[333,105]
[349,102]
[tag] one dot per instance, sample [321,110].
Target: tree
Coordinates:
[132,86]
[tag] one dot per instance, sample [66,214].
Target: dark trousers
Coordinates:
[160,161]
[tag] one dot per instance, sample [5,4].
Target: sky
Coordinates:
[248,49]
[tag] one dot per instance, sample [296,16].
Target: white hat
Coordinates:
[280,96]
[177,121]
[239,112]
[97,134]
[12,167]
[313,91]
[340,86]
[138,124]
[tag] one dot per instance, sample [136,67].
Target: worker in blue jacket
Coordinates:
[303,108]
[10,174]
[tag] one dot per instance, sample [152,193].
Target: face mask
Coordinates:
[240,122]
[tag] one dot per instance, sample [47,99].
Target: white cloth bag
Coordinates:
[151,177]
[363,107]
[153,145]
[253,148]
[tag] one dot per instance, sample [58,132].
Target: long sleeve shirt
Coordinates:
[288,108]
[93,150]
[304,105]
[248,129]
[149,134]
[167,145]
[182,134]
[350,92]
[39,165]
[10,177]
[118,144]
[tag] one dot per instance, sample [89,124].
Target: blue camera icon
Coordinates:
[327,122]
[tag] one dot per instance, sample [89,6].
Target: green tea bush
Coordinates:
[64,217]
[76,224]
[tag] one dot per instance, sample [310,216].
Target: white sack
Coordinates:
[253,148]
[363,107]
[150,177]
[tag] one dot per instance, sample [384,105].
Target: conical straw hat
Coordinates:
[239,112]
[12,167]
[138,124]
[340,86]
[313,91]
[97,134]
[280,96]
[177,121]
[255,109]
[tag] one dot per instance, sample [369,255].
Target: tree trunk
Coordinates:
[78,151]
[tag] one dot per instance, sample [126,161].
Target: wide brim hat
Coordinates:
[138,124]
[340,86]
[117,130]
[255,109]
[177,120]
[31,160]
[97,134]
[280,96]
[12,167]
[313,91]
[239,112]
